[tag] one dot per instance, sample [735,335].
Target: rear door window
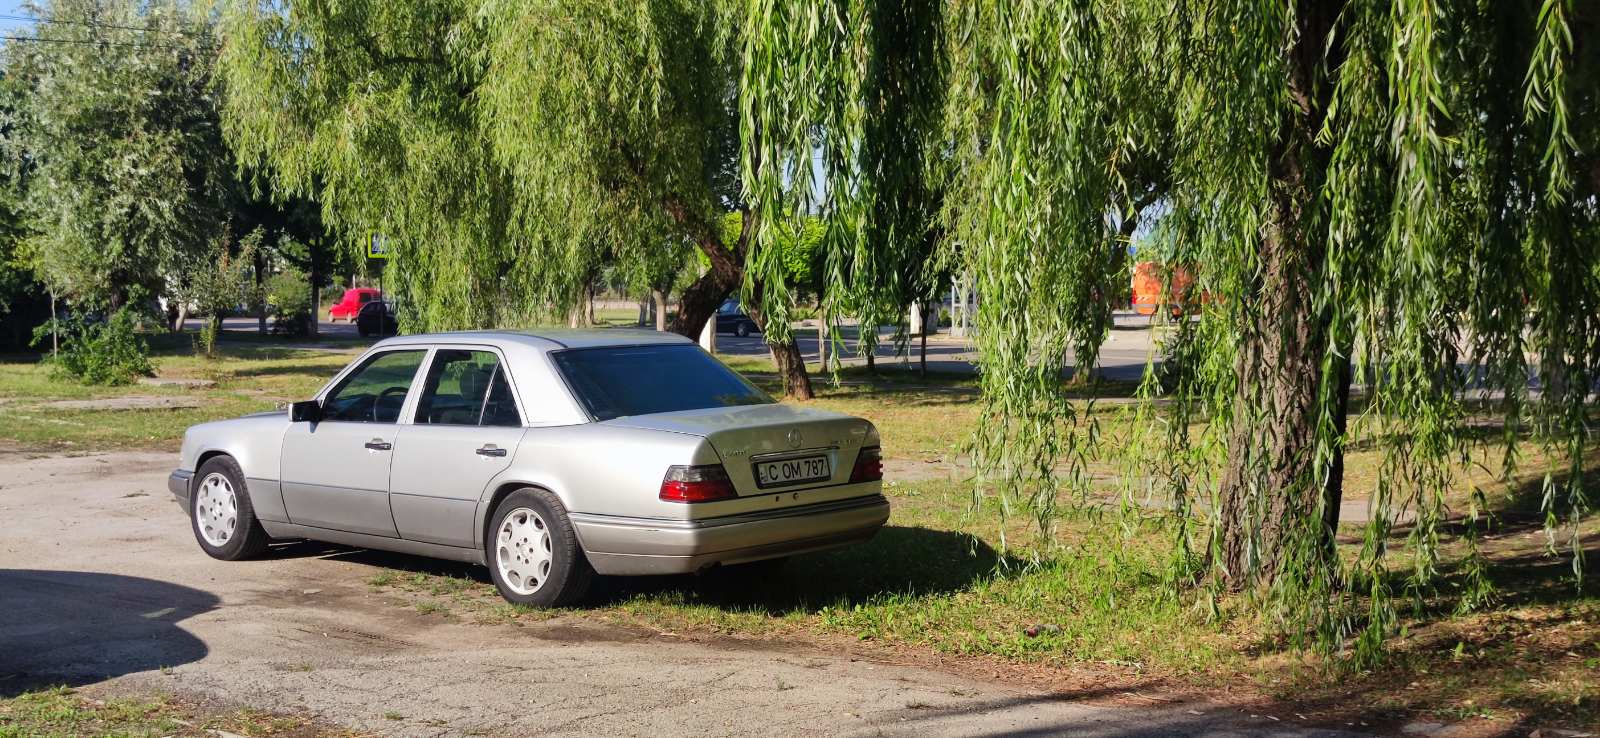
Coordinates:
[466,387]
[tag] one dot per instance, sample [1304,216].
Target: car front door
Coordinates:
[464,430]
[336,471]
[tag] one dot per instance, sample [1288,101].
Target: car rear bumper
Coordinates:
[178,484]
[626,546]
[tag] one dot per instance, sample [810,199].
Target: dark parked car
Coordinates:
[377,319]
[731,319]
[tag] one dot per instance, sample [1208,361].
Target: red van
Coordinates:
[350,305]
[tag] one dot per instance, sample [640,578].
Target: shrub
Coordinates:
[98,351]
[289,295]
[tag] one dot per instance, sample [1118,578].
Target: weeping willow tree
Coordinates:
[507,150]
[1387,197]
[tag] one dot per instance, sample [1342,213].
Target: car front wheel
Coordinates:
[533,552]
[224,523]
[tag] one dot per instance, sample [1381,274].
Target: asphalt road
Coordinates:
[1122,357]
[102,585]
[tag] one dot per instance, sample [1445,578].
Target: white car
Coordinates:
[548,457]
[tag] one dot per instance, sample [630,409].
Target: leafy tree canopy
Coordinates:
[114,128]
[1393,196]
[505,149]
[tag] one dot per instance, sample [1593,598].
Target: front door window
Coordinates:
[375,392]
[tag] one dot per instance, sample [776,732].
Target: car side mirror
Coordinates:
[305,411]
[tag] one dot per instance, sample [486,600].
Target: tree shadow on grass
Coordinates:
[899,561]
[75,628]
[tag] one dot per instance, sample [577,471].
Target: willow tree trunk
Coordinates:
[261,303]
[316,306]
[699,304]
[1274,510]
[658,308]
[786,355]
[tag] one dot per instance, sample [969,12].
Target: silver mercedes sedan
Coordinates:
[548,457]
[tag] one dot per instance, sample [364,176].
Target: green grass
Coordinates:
[934,578]
[65,713]
[249,375]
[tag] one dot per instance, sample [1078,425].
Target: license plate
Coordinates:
[785,472]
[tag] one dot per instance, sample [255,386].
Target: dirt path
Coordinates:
[102,584]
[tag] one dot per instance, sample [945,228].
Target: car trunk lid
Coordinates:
[786,441]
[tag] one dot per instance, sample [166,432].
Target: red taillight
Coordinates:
[696,484]
[869,465]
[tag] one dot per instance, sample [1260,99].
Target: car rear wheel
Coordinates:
[743,331]
[224,523]
[533,552]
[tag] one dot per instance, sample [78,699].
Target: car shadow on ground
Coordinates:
[898,561]
[74,628]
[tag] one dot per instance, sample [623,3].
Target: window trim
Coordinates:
[355,368]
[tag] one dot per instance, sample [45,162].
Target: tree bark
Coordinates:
[261,303]
[659,307]
[316,305]
[792,368]
[701,300]
[1270,498]
[822,341]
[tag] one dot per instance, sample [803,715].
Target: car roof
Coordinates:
[552,339]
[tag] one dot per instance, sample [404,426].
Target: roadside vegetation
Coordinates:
[67,713]
[947,580]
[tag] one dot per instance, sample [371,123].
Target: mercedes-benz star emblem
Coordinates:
[794,438]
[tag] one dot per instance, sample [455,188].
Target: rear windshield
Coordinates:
[615,381]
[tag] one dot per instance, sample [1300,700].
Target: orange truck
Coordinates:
[1150,281]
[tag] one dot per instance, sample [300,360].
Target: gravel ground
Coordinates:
[102,585]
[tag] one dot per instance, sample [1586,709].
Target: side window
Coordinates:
[466,388]
[499,409]
[375,392]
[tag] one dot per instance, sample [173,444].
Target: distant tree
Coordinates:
[116,121]
[510,149]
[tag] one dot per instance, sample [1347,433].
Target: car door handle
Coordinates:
[378,444]
[491,450]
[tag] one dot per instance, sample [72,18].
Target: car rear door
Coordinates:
[335,472]
[464,430]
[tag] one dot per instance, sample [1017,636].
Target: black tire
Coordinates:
[568,576]
[743,331]
[248,539]
[363,332]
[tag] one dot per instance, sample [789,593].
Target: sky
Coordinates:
[15,9]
